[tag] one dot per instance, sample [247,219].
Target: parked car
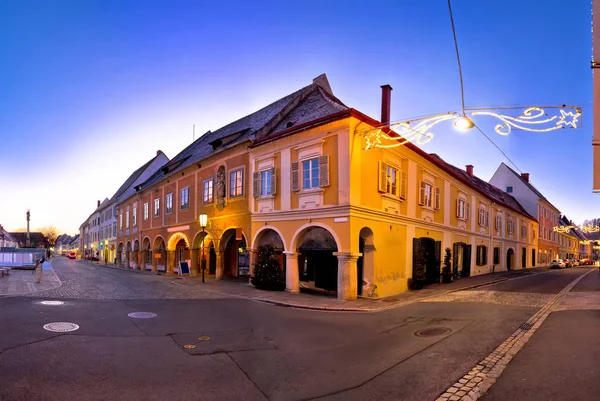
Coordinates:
[558,264]
[71,255]
[584,262]
[575,262]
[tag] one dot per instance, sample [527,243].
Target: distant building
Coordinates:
[36,240]
[6,239]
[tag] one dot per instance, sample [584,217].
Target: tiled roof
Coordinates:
[309,103]
[530,186]
[134,176]
[488,190]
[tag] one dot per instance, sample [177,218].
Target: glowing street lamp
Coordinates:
[463,123]
[203,220]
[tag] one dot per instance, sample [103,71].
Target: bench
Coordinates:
[3,271]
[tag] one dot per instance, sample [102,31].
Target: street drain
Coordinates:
[61,327]
[204,338]
[433,331]
[51,302]
[526,326]
[142,315]
[189,346]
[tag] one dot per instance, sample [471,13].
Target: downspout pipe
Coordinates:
[492,237]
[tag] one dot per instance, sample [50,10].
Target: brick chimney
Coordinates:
[525,176]
[98,203]
[470,170]
[386,103]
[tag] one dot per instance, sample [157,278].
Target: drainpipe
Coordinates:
[492,237]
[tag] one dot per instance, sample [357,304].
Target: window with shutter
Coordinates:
[468,211]
[295,184]
[487,218]
[422,193]
[404,185]
[273,181]
[459,208]
[323,171]
[255,184]
[437,199]
[382,177]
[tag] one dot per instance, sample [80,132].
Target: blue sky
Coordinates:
[91,89]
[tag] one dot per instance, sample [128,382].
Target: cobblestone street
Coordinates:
[83,280]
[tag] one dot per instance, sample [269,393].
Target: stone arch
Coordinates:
[175,238]
[146,251]
[128,255]
[200,252]
[365,265]
[302,231]
[236,255]
[159,248]
[317,247]
[510,259]
[120,253]
[260,235]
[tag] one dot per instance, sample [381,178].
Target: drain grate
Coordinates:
[142,315]
[61,327]
[526,326]
[433,331]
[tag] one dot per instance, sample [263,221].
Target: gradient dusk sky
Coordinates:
[91,89]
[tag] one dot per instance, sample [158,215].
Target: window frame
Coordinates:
[169,203]
[212,191]
[156,210]
[311,169]
[234,194]
[146,210]
[265,182]
[184,205]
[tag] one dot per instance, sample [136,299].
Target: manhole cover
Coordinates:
[433,331]
[204,338]
[52,302]
[189,346]
[61,327]
[142,315]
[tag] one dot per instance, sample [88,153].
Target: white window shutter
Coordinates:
[256,184]
[382,177]
[295,177]
[273,181]
[437,198]
[422,194]
[458,208]
[323,171]
[403,184]
[468,210]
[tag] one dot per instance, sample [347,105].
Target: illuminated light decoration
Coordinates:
[586,229]
[586,242]
[534,119]
[597,247]
[418,131]
[415,131]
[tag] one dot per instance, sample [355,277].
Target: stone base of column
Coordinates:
[347,275]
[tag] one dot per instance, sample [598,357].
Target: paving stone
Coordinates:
[461,393]
[452,390]
[454,398]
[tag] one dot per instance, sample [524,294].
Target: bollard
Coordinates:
[38,274]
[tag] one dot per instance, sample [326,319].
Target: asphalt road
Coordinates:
[256,351]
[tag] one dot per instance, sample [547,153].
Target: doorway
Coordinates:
[462,259]
[510,254]
[430,250]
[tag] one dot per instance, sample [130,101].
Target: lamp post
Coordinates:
[203,219]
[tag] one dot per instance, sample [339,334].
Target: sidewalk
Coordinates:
[21,282]
[322,302]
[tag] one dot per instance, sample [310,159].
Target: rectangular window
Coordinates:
[265,182]
[127,219]
[156,207]
[392,181]
[236,183]
[462,209]
[120,221]
[498,222]
[208,191]
[310,173]
[533,233]
[523,231]
[114,230]
[496,256]
[426,195]
[134,216]
[146,211]
[509,189]
[169,203]
[511,227]
[185,200]
[481,255]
